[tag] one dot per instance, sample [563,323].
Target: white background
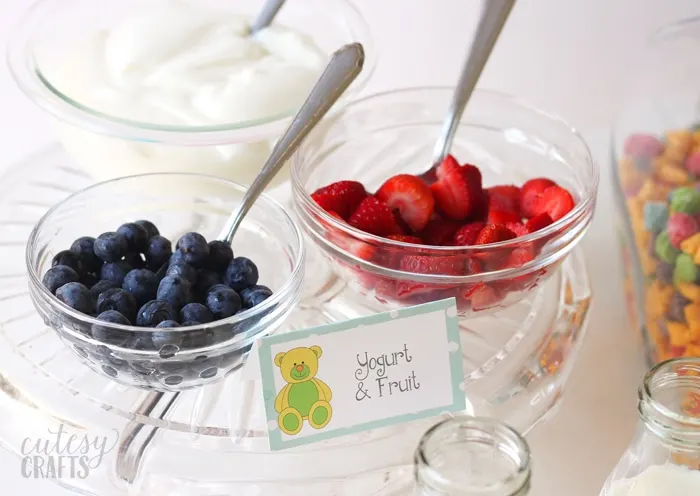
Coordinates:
[570,57]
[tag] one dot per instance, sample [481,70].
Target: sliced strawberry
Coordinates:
[555,201]
[530,195]
[502,217]
[375,217]
[336,215]
[411,197]
[385,290]
[504,198]
[539,221]
[517,258]
[406,239]
[439,232]
[520,256]
[481,296]
[467,234]
[424,264]
[342,197]
[362,250]
[494,233]
[472,175]
[518,228]
[457,191]
[474,266]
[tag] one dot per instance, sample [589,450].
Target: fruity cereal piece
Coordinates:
[456,192]
[505,198]
[680,227]
[530,193]
[373,216]
[643,145]
[502,217]
[467,234]
[342,197]
[411,197]
[439,232]
[555,201]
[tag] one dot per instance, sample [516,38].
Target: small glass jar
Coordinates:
[664,456]
[472,456]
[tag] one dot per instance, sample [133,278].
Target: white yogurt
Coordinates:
[659,480]
[178,64]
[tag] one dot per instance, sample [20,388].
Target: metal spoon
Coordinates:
[493,16]
[345,65]
[266,15]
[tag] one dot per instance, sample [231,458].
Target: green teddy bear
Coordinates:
[304,397]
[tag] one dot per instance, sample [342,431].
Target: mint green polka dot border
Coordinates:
[449,309]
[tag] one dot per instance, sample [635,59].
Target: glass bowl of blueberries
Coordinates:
[130,275]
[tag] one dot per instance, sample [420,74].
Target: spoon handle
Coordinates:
[493,17]
[266,15]
[341,71]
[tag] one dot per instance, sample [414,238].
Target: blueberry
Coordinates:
[69,259]
[206,279]
[154,312]
[150,228]
[241,273]
[220,255]
[101,286]
[84,247]
[113,317]
[142,283]
[184,270]
[77,296]
[140,341]
[107,335]
[195,312]
[194,249]
[110,246]
[175,290]
[136,237]
[255,295]
[89,279]
[135,260]
[167,324]
[119,300]
[158,252]
[223,301]
[167,338]
[190,323]
[176,257]
[57,276]
[115,272]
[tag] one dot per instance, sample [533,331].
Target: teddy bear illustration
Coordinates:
[304,397]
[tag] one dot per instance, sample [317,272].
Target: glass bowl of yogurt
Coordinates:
[153,86]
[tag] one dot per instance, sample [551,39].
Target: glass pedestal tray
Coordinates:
[212,441]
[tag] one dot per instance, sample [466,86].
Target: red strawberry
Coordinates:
[472,175]
[336,215]
[457,191]
[406,239]
[518,228]
[493,233]
[424,264]
[474,266]
[466,236]
[539,221]
[520,256]
[362,250]
[504,198]
[385,290]
[482,296]
[530,195]
[342,197]
[555,201]
[411,197]
[502,217]
[439,232]
[375,217]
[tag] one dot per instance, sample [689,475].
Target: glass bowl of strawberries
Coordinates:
[486,226]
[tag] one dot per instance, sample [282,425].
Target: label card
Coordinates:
[362,374]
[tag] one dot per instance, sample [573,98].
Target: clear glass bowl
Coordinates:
[656,153]
[108,147]
[391,133]
[208,351]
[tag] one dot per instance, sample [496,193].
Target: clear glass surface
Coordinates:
[656,150]
[516,362]
[108,147]
[395,132]
[664,456]
[467,456]
[208,351]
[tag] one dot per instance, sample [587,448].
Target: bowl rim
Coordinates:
[579,209]
[288,286]
[28,77]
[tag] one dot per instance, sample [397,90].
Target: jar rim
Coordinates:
[29,78]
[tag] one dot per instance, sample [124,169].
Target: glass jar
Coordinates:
[472,456]
[656,149]
[126,139]
[664,456]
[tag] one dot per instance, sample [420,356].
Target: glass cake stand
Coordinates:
[212,441]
